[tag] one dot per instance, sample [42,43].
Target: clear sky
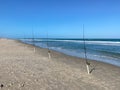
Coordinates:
[60,18]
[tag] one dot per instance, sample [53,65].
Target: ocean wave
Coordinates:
[113,43]
[110,43]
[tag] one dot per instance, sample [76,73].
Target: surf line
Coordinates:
[85,52]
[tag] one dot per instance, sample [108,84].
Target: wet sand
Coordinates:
[23,69]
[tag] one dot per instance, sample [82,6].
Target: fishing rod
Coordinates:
[24,41]
[49,55]
[33,39]
[85,53]
[25,38]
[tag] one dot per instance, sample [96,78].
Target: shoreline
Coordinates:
[24,69]
[55,51]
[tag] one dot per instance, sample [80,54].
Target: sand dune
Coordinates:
[22,69]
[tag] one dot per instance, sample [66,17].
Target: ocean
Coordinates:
[104,50]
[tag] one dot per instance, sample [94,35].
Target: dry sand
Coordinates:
[22,69]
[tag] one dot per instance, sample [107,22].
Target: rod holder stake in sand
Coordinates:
[34,49]
[88,70]
[87,65]
[49,55]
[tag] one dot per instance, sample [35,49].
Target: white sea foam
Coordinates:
[113,43]
[80,41]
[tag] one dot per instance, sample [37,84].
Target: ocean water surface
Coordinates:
[104,50]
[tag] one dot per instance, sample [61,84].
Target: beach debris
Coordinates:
[36,80]
[12,72]
[32,74]
[1,85]
[22,84]
[11,84]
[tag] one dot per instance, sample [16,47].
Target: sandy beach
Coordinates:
[23,69]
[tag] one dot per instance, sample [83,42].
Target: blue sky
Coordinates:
[60,18]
